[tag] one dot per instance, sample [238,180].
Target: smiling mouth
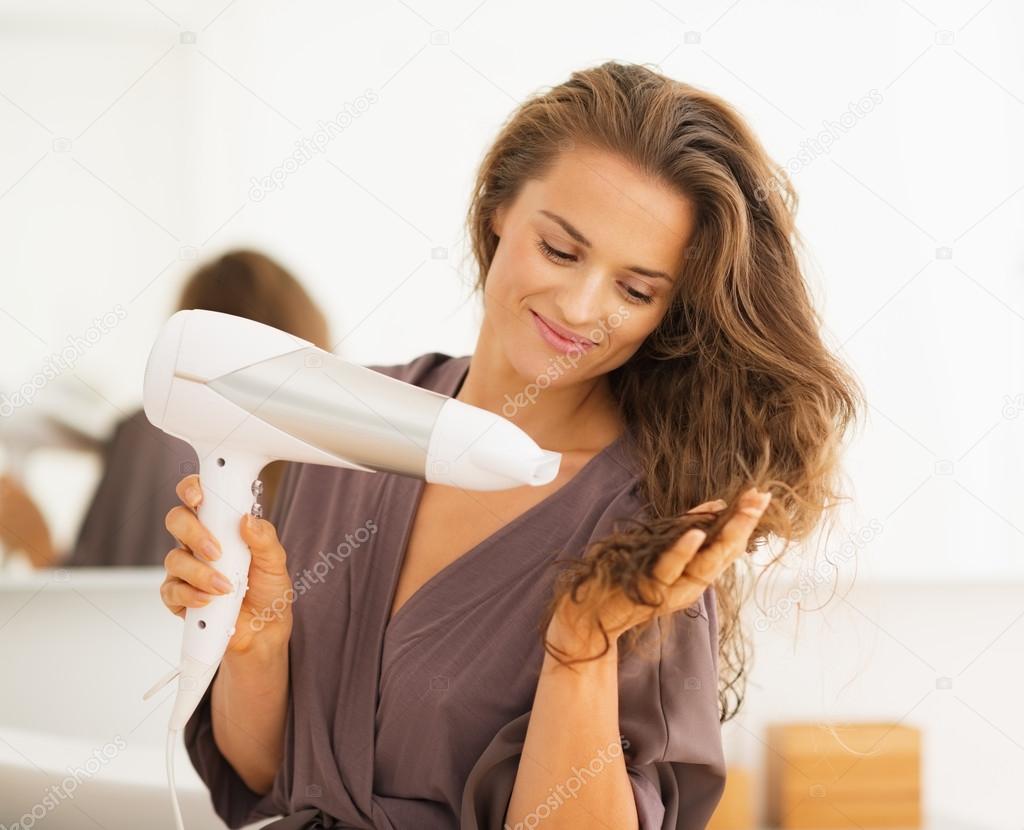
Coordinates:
[557,340]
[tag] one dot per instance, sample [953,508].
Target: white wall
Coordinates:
[158,142]
[128,153]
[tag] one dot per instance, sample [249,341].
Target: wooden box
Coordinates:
[736,809]
[864,775]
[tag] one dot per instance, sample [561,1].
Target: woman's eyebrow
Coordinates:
[579,237]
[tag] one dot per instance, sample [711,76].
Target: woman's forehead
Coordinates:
[613,205]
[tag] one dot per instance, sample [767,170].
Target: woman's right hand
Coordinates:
[192,582]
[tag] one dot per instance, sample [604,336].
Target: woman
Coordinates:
[407,656]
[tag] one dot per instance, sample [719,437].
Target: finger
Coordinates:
[673,561]
[717,504]
[709,563]
[737,530]
[190,491]
[165,587]
[670,566]
[185,526]
[183,565]
[178,596]
[261,536]
[686,591]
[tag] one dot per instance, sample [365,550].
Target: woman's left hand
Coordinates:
[685,571]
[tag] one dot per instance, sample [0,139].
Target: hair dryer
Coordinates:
[244,394]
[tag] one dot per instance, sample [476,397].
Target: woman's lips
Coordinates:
[555,340]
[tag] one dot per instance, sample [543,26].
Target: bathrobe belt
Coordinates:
[309,819]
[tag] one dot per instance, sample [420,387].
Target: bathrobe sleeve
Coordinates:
[668,724]
[232,800]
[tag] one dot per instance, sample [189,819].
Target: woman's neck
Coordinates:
[563,416]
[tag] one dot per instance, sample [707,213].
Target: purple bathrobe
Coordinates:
[418,724]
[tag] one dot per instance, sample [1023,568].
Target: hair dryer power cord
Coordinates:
[171,735]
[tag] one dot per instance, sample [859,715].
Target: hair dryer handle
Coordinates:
[227,494]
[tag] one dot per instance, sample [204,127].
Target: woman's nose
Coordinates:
[581,302]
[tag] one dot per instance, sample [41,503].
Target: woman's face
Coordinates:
[582,249]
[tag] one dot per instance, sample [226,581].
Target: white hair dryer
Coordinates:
[244,394]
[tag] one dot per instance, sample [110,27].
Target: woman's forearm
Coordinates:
[249,704]
[572,772]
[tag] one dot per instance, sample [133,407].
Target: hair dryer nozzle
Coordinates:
[534,470]
[476,449]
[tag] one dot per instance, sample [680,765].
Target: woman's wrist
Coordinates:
[572,644]
[263,648]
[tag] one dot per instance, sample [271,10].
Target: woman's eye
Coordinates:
[562,258]
[635,296]
[553,254]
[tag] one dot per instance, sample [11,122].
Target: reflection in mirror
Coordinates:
[49,427]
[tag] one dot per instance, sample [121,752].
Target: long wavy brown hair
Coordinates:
[735,387]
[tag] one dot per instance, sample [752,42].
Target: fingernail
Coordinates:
[221,583]
[193,495]
[251,523]
[765,498]
[209,549]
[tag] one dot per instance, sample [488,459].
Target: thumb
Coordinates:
[261,537]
